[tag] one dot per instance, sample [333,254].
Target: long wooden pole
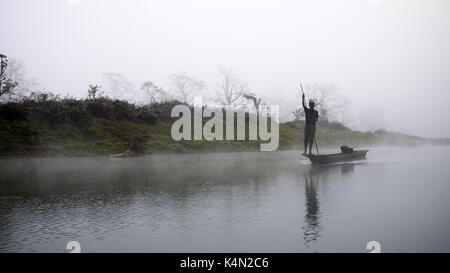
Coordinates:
[315,141]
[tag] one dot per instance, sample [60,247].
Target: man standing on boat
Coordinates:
[311,117]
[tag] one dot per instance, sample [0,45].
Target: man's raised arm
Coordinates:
[303,102]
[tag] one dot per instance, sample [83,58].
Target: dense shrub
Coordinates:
[76,111]
[136,145]
[56,110]
[162,110]
[100,108]
[53,111]
[12,111]
[119,110]
[145,114]
[123,110]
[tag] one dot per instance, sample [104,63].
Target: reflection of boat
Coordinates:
[339,157]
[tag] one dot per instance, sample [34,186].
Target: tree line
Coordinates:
[230,90]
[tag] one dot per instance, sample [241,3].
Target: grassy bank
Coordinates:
[46,125]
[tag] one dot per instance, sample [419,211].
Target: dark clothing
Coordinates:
[310,132]
[311,117]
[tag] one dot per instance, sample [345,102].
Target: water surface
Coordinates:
[228,202]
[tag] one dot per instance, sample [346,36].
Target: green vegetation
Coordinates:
[44,124]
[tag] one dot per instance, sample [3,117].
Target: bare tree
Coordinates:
[118,86]
[299,114]
[328,101]
[154,93]
[185,87]
[17,72]
[14,71]
[231,88]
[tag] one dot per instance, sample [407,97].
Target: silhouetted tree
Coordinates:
[185,88]
[7,84]
[299,114]
[17,73]
[327,100]
[154,93]
[94,92]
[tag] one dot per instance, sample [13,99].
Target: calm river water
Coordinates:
[228,202]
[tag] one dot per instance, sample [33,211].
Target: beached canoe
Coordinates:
[339,157]
[128,153]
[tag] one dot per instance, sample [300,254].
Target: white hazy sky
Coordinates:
[388,57]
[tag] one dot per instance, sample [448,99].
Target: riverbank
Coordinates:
[71,127]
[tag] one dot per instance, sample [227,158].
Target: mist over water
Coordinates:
[227,202]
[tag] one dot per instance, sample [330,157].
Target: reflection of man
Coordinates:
[312,228]
[311,117]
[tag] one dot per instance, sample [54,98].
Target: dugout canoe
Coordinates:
[339,157]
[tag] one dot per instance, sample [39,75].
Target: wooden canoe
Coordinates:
[339,157]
